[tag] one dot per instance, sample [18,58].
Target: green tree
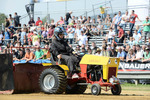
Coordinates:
[45,19]
[2,18]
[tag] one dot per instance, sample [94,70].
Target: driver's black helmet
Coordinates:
[58,30]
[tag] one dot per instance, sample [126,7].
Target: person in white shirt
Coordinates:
[82,39]
[111,34]
[125,20]
[77,32]
[139,53]
[137,37]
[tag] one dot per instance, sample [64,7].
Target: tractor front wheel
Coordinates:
[96,89]
[116,90]
[53,81]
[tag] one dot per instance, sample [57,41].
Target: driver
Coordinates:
[61,50]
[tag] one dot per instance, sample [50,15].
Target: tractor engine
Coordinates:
[94,72]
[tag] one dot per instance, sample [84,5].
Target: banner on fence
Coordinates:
[134,66]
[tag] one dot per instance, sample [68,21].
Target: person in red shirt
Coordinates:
[120,35]
[132,18]
[38,21]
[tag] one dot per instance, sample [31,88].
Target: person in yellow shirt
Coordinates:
[102,11]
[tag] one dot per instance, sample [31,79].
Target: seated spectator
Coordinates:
[15,54]
[111,34]
[139,53]
[39,54]
[121,35]
[134,48]
[20,55]
[45,51]
[98,51]
[89,51]
[31,22]
[130,55]
[113,52]
[29,55]
[77,50]
[104,51]
[38,21]
[121,54]
[82,39]
[131,42]
[137,38]
[146,55]
[94,48]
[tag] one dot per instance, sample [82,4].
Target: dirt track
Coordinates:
[125,95]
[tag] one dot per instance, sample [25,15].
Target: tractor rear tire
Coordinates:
[117,90]
[75,88]
[53,81]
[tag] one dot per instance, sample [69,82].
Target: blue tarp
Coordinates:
[34,62]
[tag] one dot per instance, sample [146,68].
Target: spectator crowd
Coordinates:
[121,38]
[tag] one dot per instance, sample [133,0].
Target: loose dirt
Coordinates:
[125,95]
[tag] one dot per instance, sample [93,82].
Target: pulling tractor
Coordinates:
[51,77]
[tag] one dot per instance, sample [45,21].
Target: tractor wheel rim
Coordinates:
[49,81]
[94,90]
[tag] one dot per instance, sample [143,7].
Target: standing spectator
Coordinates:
[113,21]
[68,15]
[125,20]
[146,25]
[99,20]
[61,21]
[16,20]
[23,36]
[7,23]
[130,55]
[117,21]
[11,21]
[6,36]
[121,35]
[38,21]
[137,37]
[132,19]
[82,39]
[139,53]
[71,32]
[102,11]
[31,22]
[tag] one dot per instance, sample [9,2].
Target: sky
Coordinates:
[57,9]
